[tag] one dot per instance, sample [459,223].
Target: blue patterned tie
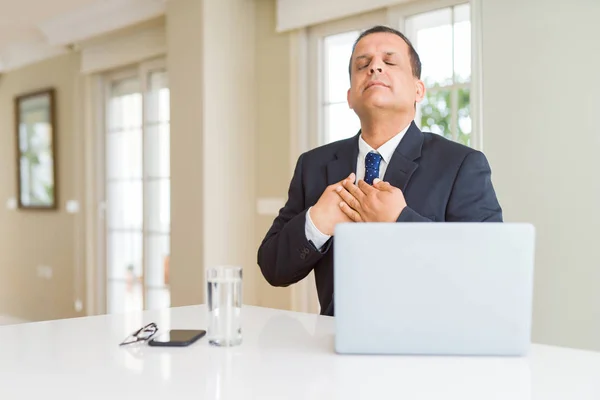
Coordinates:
[372,161]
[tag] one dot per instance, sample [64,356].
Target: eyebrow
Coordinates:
[387,53]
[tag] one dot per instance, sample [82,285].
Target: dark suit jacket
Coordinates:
[441,181]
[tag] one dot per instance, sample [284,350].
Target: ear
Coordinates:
[349,100]
[420,90]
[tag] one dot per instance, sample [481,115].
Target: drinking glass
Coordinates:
[224,305]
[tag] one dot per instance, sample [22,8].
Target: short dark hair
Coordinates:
[415,61]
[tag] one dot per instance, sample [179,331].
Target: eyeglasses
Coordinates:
[141,335]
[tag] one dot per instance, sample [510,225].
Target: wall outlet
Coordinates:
[72,206]
[11,203]
[44,272]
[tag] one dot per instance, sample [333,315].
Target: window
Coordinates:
[137,187]
[340,121]
[329,50]
[443,40]
[442,37]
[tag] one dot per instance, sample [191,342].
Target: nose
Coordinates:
[376,66]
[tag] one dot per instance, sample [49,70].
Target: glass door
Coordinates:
[157,191]
[137,187]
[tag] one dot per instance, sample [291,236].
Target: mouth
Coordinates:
[375,84]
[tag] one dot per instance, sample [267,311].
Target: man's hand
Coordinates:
[381,202]
[326,214]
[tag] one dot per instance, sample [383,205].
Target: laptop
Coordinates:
[433,288]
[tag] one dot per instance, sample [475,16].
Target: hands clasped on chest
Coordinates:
[346,201]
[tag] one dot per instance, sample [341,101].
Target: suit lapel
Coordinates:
[403,165]
[344,162]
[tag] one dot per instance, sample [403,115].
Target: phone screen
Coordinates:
[179,336]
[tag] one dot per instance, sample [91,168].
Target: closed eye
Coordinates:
[362,62]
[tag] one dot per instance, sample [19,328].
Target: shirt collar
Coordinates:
[386,150]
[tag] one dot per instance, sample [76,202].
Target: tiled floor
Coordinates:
[10,320]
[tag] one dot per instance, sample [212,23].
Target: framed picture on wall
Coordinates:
[36,150]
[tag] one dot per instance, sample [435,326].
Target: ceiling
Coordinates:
[31,30]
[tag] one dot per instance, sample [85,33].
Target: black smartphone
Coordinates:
[177,338]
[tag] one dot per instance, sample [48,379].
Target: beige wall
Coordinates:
[230,100]
[51,238]
[540,93]
[229,129]
[184,62]
[211,59]
[273,173]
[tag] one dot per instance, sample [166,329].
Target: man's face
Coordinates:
[382,76]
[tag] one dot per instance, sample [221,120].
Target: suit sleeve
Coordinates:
[473,198]
[285,255]
[410,215]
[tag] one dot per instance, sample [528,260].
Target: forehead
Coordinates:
[380,42]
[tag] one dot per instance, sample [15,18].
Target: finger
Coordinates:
[365,187]
[354,190]
[350,178]
[351,213]
[348,198]
[381,185]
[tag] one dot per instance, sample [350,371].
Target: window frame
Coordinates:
[142,72]
[311,59]
[315,65]
[397,16]
[109,79]
[145,69]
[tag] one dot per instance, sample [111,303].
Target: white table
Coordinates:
[284,355]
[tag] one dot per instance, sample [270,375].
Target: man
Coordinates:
[389,172]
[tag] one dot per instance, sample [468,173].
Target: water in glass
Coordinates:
[224,306]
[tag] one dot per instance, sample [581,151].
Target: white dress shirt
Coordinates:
[386,151]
